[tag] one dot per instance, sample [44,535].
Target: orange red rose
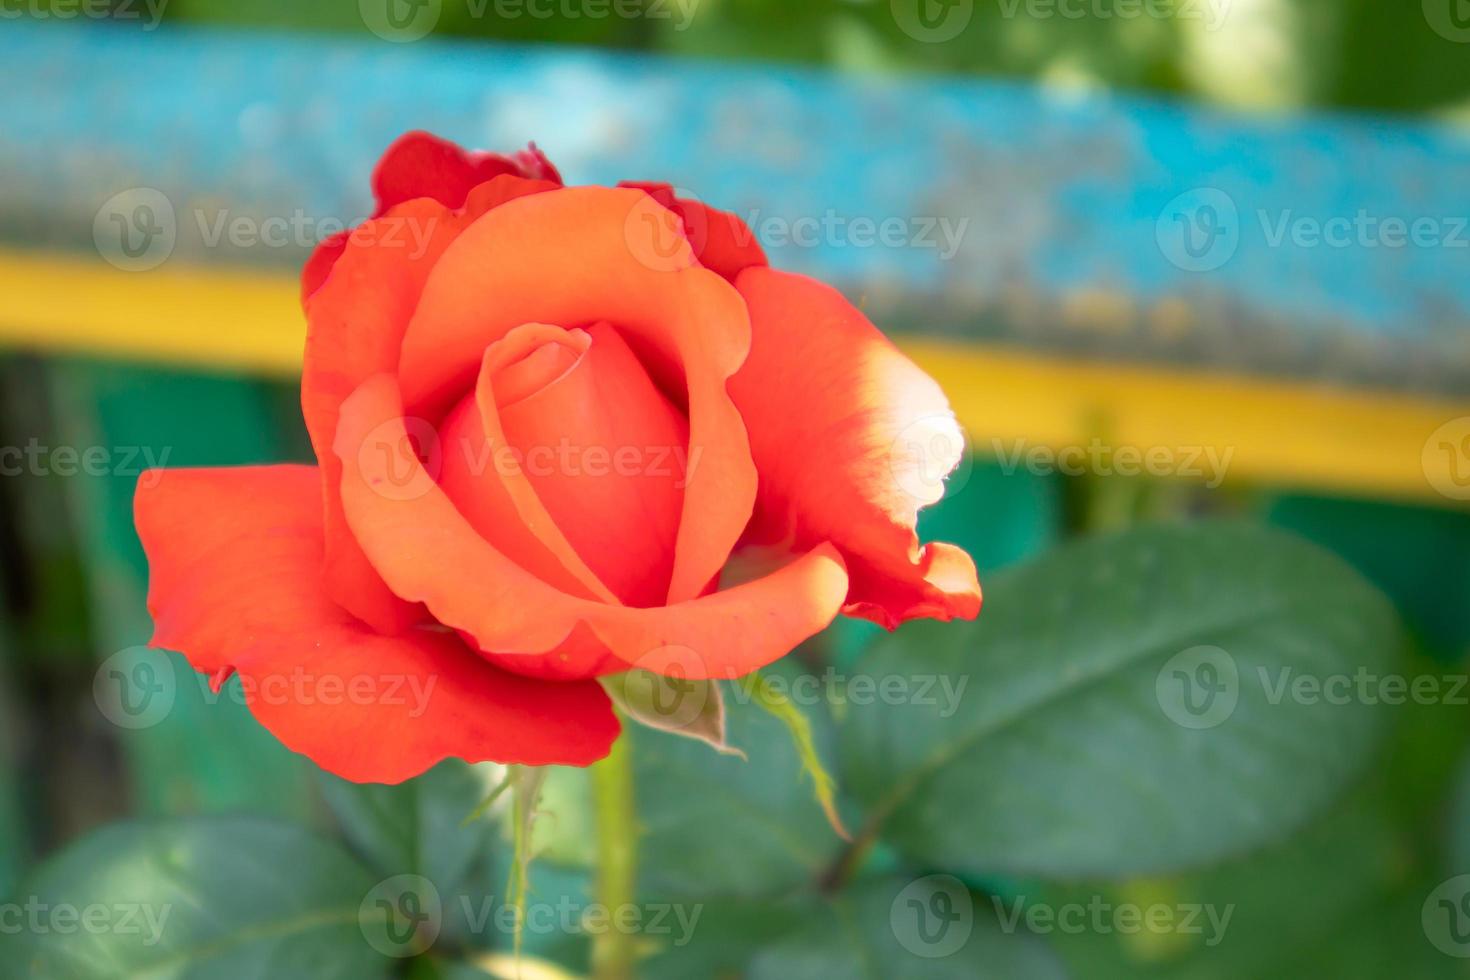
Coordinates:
[569,429]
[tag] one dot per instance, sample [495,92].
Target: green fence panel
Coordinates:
[1420,556]
[202,752]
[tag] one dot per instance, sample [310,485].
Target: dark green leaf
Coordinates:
[1127,705]
[414,828]
[207,898]
[930,928]
[719,825]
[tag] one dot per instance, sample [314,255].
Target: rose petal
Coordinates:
[234,558]
[489,486]
[723,242]
[429,553]
[355,325]
[847,454]
[577,257]
[603,450]
[420,164]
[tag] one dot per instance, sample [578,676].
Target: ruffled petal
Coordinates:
[355,325]
[420,164]
[428,553]
[234,559]
[577,257]
[858,441]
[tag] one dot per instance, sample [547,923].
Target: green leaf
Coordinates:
[694,709]
[717,825]
[930,928]
[414,827]
[1127,705]
[1459,844]
[1367,868]
[204,898]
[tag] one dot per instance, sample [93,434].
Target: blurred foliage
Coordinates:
[1265,54]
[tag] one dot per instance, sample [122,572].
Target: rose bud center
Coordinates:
[569,459]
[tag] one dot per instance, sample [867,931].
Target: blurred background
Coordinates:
[1171,260]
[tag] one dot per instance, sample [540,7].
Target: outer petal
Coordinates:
[235,556]
[420,164]
[723,243]
[576,257]
[857,443]
[355,325]
[428,552]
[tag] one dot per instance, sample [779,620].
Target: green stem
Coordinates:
[614,951]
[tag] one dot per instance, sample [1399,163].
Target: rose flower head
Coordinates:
[561,433]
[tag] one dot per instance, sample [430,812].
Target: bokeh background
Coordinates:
[1172,260]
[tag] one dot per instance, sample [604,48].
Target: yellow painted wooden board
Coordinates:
[1027,410]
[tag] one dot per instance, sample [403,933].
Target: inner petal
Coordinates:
[606,453]
[483,475]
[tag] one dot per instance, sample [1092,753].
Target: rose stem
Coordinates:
[615,950]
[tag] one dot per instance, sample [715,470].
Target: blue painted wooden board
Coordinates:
[1075,233]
